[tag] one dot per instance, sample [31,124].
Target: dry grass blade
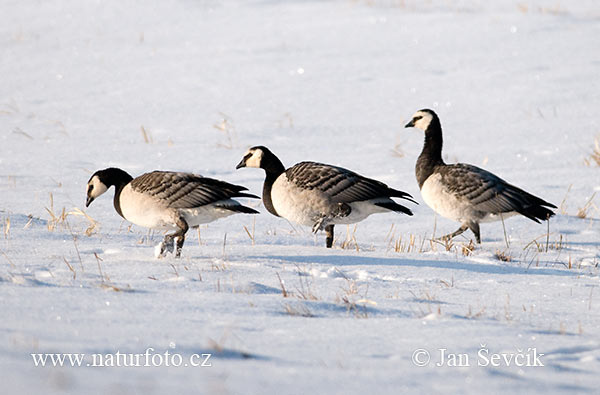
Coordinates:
[98,260]
[55,220]
[502,256]
[583,212]
[7,228]
[70,268]
[397,151]
[251,236]
[18,130]
[29,222]
[350,241]
[225,126]
[93,223]
[10,262]
[562,208]
[75,243]
[298,310]
[595,155]
[284,292]
[467,249]
[146,135]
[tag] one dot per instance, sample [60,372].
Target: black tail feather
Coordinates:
[401,194]
[246,195]
[394,207]
[534,208]
[238,209]
[536,213]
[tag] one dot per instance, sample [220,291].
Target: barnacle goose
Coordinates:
[319,195]
[466,193]
[168,200]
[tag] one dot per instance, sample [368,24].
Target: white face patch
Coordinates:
[95,187]
[255,159]
[423,120]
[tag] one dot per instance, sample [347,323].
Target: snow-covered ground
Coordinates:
[189,85]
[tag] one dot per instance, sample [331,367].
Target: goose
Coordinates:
[320,195]
[167,200]
[466,193]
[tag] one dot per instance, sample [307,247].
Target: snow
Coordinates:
[189,86]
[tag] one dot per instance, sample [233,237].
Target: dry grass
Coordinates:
[507,314]
[103,278]
[350,241]
[503,256]
[583,212]
[352,300]
[7,228]
[91,229]
[467,249]
[251,235]
[547,10]
[70,268]
[286,121]
[446,242]
[304,291]
[562,208]
[594,157]
[284,291]
[55,219]
[448,284]
[146,135]
[225,126]
[407,246]
[298,310]
[397,151]
[476,315]
[29,221]
[18,131]
[75,243]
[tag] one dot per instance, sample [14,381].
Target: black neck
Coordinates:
[273,169]
[431,156]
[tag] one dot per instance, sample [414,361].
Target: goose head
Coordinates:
[96,186]
[421,119]
[255,157]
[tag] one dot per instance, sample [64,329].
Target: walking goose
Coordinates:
[319,195]
[466,193]
[168,200]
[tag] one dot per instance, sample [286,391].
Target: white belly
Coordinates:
[448,205]
[296,204]
[146,211]
[443,202]
[205,214]
[305,207]
[149,212]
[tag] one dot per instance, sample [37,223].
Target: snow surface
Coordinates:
[515,83]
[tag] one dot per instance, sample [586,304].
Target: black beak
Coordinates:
[410,124]
[88,201]
[241,164]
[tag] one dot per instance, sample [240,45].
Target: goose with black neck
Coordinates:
[167,200]
[466,193]
[319,195]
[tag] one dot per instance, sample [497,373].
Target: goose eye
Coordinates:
[417,118]
[90,188]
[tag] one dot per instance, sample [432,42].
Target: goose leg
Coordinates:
[474,226]
[318,225]
[457,232]
[166,246]
[329,238]
[180,235]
